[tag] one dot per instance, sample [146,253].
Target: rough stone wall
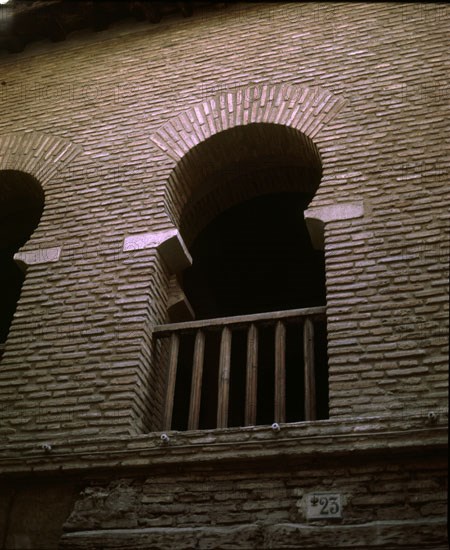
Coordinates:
[78,359]
[263,507]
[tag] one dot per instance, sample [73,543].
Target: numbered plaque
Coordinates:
[323,505]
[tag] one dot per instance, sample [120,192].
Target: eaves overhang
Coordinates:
[23,21]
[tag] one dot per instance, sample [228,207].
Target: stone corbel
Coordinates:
[169,244]
[39,256]
[317,217]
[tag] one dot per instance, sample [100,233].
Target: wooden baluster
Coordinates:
[252,376]
[310,381]
[280,372]
[224,378]
[196,385]
[173,360]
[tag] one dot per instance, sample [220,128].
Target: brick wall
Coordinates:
[90,118]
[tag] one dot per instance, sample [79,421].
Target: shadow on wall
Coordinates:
[21,206]
[32,513]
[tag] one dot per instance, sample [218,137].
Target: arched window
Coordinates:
[21,206]
[256,276]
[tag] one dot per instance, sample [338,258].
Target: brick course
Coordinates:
[103,128]
[110,124]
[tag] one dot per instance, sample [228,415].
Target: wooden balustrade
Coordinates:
[226,325]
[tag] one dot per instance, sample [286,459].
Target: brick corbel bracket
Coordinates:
[317,217]
[174,252]
[178,306]
[41,156]
[169,244]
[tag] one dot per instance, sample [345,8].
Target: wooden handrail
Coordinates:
[159,331]
[279,320]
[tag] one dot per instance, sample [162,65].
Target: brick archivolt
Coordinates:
[264,132]
[307,109]
[40,155]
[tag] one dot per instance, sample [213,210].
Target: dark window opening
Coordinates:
[255,257]
[21,206]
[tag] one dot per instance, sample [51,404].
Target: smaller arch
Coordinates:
[21,205]
[41,155]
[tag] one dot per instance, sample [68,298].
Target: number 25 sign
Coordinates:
[323,505]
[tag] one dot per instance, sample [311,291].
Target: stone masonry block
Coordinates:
[168,242]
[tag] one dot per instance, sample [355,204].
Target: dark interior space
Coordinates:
[21,206]
[255,257]
[11,280]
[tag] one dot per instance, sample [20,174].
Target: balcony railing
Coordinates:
[278,320]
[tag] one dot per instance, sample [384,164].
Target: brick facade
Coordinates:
[126,130]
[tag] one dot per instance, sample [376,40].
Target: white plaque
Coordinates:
[323,505]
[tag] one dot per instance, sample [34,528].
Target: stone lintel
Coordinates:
[169,244]
[39,256]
